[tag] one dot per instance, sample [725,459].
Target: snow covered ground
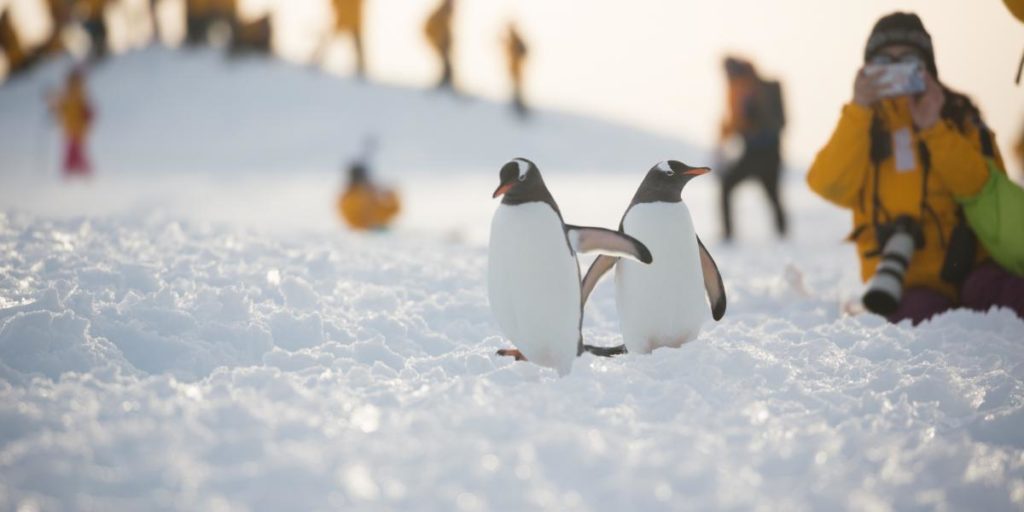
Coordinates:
[174,339]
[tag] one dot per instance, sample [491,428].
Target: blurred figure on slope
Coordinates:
[439,33]
[73,111]
[903,158]
[363,204]
[348,20]
[202,15]
[17,58]
[21,58]
[755,118]
[515,47]
[91,14]
[251,37]
[60,16]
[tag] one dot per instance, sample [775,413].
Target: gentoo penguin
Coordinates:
[662,304]
[533,275]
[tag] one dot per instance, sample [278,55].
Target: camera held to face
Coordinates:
[899,240]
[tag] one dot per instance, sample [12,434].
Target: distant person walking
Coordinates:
[90,12]
[439,33]
[515,47]
[73,111]
[348,20]
[755,115]
[202,15]
[13,51]
[363,204]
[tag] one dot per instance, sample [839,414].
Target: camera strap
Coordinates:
[880,149]
[926,166]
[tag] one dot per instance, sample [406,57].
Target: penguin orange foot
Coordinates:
[511,352]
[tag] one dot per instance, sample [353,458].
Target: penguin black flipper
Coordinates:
[712,282]
[606,241]
[597,270]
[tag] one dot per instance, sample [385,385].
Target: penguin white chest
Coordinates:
[534,284]
[661,304]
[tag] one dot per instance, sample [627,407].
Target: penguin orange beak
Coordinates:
[697,172]
[500,191]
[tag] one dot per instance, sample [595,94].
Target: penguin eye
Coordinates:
[670,172]
[522,177]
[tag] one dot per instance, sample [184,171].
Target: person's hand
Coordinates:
[866,87]
[926,108]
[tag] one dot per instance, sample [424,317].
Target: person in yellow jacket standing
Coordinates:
[439,33]
[515,47]
[348,19]
[74,112]
[363,204]
[909,158]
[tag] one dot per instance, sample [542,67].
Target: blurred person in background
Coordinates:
[515,47]
[90,13]
[60,15]
[363,204]
[438,30]
[754,117]
[251,37]
[909,156]
[348,19]
[21,58]
[11,44]
[75,114]
[202,15]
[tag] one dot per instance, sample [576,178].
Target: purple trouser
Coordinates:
[987,286]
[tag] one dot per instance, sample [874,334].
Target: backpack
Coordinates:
[773,112]
[996,215]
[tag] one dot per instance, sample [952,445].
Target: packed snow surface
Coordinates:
[151,365]
[172,341]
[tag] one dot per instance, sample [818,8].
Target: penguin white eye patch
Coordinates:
[524,167]
[666,168]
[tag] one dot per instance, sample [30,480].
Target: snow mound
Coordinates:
[161,365]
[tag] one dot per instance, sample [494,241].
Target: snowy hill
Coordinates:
[173,111]
[192,331]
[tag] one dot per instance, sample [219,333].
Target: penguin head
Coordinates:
[520,182]
[665,181]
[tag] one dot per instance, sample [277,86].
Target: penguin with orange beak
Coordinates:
[533,274]
[662,304]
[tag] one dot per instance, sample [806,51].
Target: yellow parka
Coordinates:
[439,27]
[364,206]
[9,40]
[515,47]
[73,111]
[348,15]
[843,174]
[91,9]
[201,8]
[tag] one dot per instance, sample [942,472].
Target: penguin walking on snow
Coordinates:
[662,304]
[533,275]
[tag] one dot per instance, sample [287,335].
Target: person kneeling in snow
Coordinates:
[909,156]
[364,205]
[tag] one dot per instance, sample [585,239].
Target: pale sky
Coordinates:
[655,64]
